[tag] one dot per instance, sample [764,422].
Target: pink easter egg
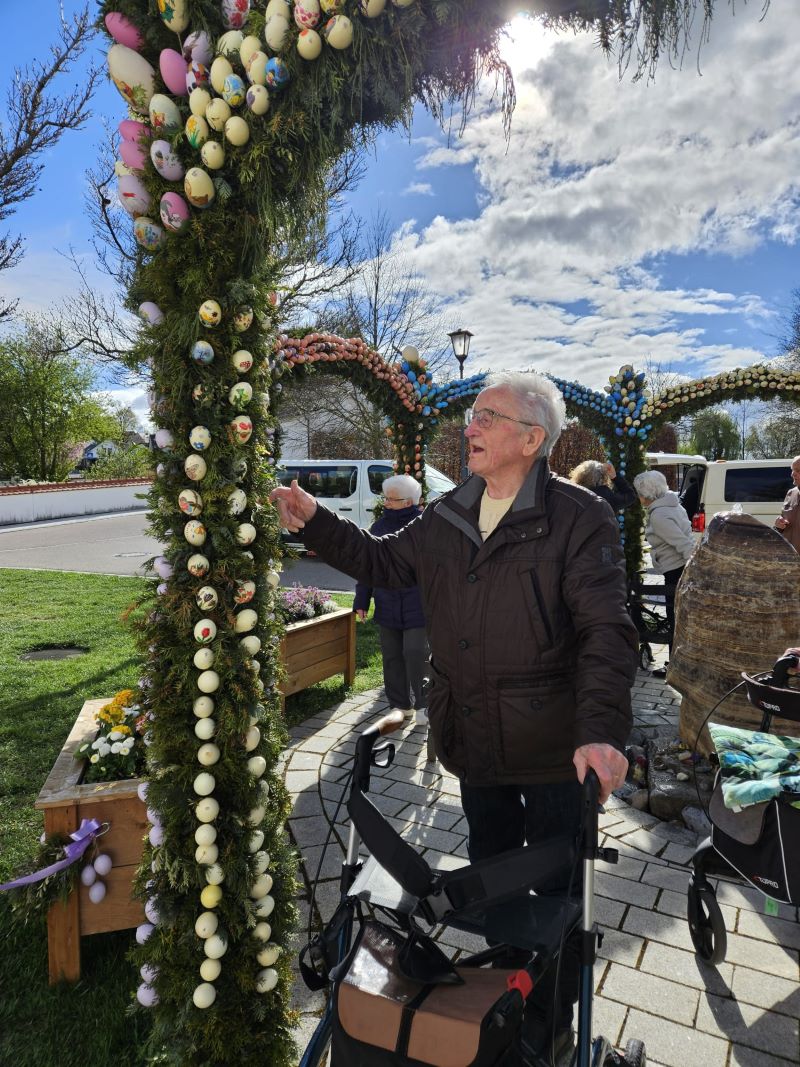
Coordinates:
[133,155]
[152,314]
[123,30]
[197,47]
[173,70]
[133,196]
[175,212]
[131,130]
[166,161]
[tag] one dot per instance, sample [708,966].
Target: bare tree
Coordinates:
[37,115]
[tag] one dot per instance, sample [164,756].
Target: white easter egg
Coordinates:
[199,99]
[210,314]
[276,32]
[88,875]
[204,632]
[204,996]
[257,99]
[204,729]
[242,360]
[269,954]
[237,502]
[240,394]
[203,706]
[151,313]
[229,44]
[206,809]
[309,44]
[220,70]
[164,114]
[198,565]
[208,682]
[206,598]
[262,931]
[237,131]
[266,980]
[133,196]
[278,7]
[174,13]
[242,318]
[273,579]
[339,32]
[256,841]
[205,834]
[203,659]
[215,874]
[149,235]
[251,644]
[252,739]
[204,785]
[210,970]
[216,946]
[199,438]
[256,815]
[198,186]
[206,924]
[97,892]
[209,753]
[190,502]
[249,46]
[133,76]
[257,69]
[143,932]
[260,862]
[246,533]
[261,886]
[195,468]
[257,766]
[195,532]
[307,13]
[265,907]
[217,114]
[212,155]
[206,855]
[240,429]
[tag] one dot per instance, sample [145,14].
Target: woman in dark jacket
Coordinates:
[604,481]
[398,612]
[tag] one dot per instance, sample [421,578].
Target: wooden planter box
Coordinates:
[65,801]
[318,649]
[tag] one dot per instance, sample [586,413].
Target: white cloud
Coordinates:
[418,189]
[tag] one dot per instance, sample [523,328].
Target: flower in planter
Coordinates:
[299,603]
[118,750]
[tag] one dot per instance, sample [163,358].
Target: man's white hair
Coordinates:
[539,400]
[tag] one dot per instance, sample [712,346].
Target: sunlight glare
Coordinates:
[526,43]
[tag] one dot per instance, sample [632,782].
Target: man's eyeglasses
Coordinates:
[485,417]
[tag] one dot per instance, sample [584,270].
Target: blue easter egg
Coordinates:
[426,410]
[202,352]
[277,73]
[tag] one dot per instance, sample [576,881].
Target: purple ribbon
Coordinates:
[81,839]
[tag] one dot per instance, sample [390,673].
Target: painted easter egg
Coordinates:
[220,70]
[149,235]
[240,394]
[279,7]
[203,353]
[372,8]
[133,76]
[174,212]
[134,155]
[306,13]
[245,591]
[233,90]
[237,502]
[151,313]
[197,46]
[237,131]
[210,314]
[277,73]
[242,319]
[242,360]
[199,99]
[205,631]
[198,392]
[234,13]
[190,502]
[241,429]
[276,32]
[195,468]
[206,598]
[257,68]
[123,30]
[339,32]
[166,161]
[173,71]
[175,14]
[164,114]
[217,114]
[199,438]
[199,187]
[331,7]
[194,532]
[212,155]
[121,170]
[198,565]
[131,130]
[229,44]
[245,535]
[250,45]
[196,130]
[257,98]
[309,44]
[197,77]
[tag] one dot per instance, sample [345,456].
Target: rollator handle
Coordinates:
[780,671]
[366,742]
[393,720]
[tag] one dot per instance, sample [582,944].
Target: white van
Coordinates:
[351,487]
[707,486]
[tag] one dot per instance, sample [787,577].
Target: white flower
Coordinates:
[115,735]
[94,758]
[116,747]
[97,742]
[104,748]
[330,605]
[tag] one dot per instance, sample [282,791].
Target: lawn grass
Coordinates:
[83,1025]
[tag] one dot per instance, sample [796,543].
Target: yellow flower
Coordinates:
[121,728]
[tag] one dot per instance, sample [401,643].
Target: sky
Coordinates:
[643,222]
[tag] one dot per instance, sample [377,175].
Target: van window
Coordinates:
[334,481]
[757,484]
[438,483]
[377,473]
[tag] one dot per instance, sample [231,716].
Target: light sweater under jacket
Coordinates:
[669,533]
[533,650]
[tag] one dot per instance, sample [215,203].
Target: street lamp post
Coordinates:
[460,341]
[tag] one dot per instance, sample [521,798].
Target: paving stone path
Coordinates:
[649,983]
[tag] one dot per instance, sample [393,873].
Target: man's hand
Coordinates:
[295,506]
[781,523]
[792,652]
[361,614]
[609,764]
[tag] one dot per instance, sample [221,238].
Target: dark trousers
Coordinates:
[405,661]
[508,816]
[671,579]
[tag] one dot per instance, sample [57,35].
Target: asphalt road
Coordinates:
[118,544]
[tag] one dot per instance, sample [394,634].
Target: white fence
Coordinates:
[32,503]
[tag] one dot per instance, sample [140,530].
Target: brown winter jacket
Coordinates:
[533,652]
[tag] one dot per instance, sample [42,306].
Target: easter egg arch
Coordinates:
[237,110]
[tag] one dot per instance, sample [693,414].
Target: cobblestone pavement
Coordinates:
[649,983]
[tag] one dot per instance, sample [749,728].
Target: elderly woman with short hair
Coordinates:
[603,480]
[669,534]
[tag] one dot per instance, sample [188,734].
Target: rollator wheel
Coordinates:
[645,656]
[635,1055]
[706,925]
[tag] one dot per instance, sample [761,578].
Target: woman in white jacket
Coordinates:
[669,534]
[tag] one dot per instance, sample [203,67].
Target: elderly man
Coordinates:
[532,649]
[788,522]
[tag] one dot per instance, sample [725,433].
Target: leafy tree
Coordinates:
[48,405]
[36,116]
[715,434]
[776,437]
[134,462]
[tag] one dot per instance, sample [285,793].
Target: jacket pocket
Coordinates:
[541,617]
[444,724]
[536,717]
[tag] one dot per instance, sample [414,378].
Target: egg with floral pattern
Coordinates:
[175,14]
[210,314]
[199,438]
[234,90]
[205,631]
[198,76]
[199,188]
[257,98]
[240,395]
[195,467]
[242,360]
[149,235]
[234,13]
[194,532]
[197,565]
[242,319]
[164,114]
[196,130]
[206,598]
[202,353]
[306,13]
[241,429]
[245,591]
[166,161]
[133,76]
[174,212]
